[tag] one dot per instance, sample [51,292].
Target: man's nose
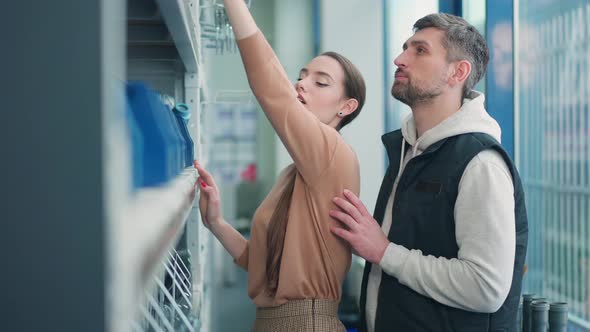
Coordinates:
[400,61]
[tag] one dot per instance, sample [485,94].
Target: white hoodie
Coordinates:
[480,278]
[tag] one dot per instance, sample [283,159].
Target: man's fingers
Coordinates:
[341,232]
[348,208]
[344,218]
[352,198]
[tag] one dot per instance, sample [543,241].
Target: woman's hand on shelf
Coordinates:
[209,201]
[210,206]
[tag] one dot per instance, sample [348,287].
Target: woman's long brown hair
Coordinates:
[354,87]
[277,228]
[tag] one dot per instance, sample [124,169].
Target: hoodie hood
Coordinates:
[470,118]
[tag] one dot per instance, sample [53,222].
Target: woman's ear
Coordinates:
[460,73]
[349,106]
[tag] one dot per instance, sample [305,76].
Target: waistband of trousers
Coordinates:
[300,307]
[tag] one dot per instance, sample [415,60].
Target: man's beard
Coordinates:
[412,95]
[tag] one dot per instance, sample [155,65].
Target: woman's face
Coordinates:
[320,88]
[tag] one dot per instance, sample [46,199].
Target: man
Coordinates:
[446,247]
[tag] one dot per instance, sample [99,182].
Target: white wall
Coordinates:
[355,29]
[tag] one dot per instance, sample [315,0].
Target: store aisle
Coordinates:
[232,309]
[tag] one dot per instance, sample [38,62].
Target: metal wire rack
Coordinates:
[168,305]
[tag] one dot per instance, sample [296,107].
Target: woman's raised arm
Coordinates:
[310,143]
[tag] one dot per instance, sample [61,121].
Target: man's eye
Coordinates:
[420,50]
[299,79]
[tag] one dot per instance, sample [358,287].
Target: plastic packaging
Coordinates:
[159,158]
[181,120]
[136,140]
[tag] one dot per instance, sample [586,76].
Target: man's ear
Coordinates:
[460,74]
[349,106]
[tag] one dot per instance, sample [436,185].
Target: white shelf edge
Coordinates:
[148,227]
[180,23]
[155,217]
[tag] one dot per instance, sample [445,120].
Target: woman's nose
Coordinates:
[300,85]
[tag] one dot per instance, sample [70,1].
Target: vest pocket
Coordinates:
[430,187]
[425,191]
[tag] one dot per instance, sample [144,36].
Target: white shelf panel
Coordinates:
[181,17]
[155,217]
[149,227]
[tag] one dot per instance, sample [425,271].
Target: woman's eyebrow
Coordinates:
[321,73]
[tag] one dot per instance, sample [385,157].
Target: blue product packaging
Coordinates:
[182,121]
[158,135]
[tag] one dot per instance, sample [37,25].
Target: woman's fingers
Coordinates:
[209,191]
[204,175]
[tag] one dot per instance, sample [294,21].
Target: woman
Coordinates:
[295,265]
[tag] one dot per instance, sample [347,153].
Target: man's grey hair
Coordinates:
[462,42]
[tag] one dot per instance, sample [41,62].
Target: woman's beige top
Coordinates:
[314,261]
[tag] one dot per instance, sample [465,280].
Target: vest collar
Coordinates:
[392,142]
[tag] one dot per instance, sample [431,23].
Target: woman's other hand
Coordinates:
[210,206]
[209,201]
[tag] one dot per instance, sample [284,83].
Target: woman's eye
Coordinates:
[321,84]
[420,50]
[299,79]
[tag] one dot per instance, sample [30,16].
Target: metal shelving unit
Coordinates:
[87,253]
[161,243]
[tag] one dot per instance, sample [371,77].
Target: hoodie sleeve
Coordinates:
[309,142]
[480,278]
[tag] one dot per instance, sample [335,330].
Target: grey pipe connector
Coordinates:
[526,312]
[558,317]
[539,316]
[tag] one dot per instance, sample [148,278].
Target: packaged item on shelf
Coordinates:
[179,145]
[558,317]
[183,110]
[539,315]
[160,157]
[182,114]
[136,145]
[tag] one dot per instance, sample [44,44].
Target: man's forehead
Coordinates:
[429,36]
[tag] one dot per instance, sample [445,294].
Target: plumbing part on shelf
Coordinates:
[539,315]
[219,32]
[231,97]
[558,317]
[536,314]
[526,312]
[210,3]
[183,110]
